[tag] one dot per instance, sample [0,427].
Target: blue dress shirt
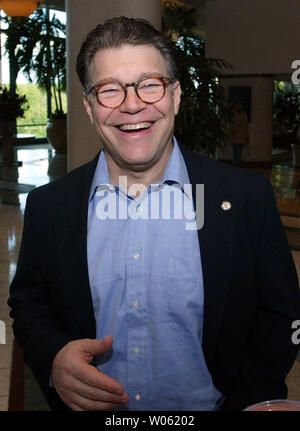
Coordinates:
[147,289]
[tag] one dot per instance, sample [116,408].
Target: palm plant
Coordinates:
[286,108]
[16,32]
[286,114]
[36,47]
[204,115]
[43,58]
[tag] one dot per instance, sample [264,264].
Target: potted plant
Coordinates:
[286,113]
[57,122]
[57,132]
[43,61]
[36,46]
[202,122]
[12,106]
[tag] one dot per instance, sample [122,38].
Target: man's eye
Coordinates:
[150,85]
[109,90]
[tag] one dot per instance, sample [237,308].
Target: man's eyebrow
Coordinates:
[140,76]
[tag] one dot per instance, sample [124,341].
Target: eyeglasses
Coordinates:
[112,94]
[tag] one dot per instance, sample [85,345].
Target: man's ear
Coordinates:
[88,108]
[176,97]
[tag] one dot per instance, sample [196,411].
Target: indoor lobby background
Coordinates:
[259,38]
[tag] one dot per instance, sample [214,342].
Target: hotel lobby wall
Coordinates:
[82,16]
[259,147]
[255,36]
[260,39]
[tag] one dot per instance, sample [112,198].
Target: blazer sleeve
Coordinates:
[36,327]
[270,352]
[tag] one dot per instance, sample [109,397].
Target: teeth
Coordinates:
[137,126]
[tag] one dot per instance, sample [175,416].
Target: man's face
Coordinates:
[141,149]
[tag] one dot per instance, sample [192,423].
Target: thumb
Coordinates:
[97,347]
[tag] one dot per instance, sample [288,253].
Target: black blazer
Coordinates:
[250,282]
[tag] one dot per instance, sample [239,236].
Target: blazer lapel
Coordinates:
[215,239]
[71,231]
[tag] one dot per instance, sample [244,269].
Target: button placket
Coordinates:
[136,311]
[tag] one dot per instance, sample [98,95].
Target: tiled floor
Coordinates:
[40,165]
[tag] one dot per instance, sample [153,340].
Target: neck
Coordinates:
[135,180]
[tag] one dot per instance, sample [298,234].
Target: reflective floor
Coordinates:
[41,165]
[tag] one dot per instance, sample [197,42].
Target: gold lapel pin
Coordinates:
[226,205]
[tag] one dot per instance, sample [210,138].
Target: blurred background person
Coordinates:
[238,132]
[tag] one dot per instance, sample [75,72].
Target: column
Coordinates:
[82,16]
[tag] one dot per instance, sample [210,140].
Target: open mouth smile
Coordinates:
[138,127]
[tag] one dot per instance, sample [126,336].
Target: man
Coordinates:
[116,309]
[238,132]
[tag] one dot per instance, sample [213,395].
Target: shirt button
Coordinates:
[136,256]
[138,397]
[139,209]
[136,304]
[137,350]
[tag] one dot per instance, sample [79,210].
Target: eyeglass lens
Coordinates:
[149,90]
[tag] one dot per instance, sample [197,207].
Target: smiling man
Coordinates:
[128,309]
[136,133]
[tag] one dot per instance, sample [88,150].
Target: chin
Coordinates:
[137,156]
[138,164]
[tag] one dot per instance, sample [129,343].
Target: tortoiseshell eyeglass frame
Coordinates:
[163,79]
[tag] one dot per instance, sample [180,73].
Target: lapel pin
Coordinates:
[226,205]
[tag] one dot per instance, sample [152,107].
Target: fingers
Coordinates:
[81,396]
[91,383]
[90,376]
[95,394]
[80,403]
[96,347]
[80,385]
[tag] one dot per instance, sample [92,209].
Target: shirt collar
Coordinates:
[101,175]
[175,172]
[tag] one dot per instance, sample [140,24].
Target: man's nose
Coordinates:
[132,102]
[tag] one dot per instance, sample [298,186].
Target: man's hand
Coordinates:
[80,385]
